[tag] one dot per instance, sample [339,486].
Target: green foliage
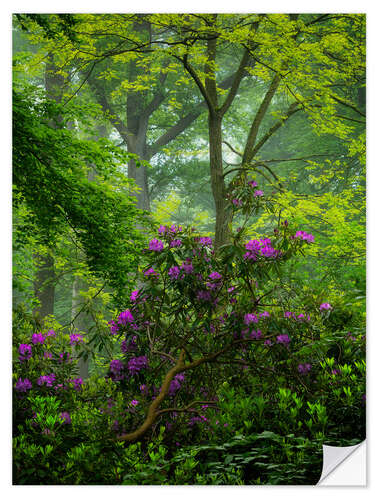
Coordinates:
[51,166]
[254,410]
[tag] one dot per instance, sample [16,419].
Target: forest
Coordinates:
[189,247]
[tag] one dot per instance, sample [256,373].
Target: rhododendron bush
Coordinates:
[208,346]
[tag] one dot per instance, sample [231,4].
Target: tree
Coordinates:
[50,173]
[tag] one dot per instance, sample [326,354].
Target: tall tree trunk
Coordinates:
[80,322]
[44,286]
[139,174]
[137,124]
[217,179]
[44,282]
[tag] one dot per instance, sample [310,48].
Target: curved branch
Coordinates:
[152,411]
[197,80]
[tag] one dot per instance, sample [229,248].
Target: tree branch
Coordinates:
[184,122]
[197,80]
[292,109]
[236,83]
[232,148]
[248,152]
[113,117]
[348,105]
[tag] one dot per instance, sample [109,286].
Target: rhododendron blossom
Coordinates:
[23,385]
[175,243]
[134,295]
[283,339]
[156,245]
[302,235]
[325,306]
[250,318]
[304,368]
[25,351]
[205,241]
[258,193]
[125,317]
[174,272]
[37,338]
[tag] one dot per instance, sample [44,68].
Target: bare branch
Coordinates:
[232,149]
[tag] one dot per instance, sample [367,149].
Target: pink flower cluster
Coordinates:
[302,235]
[258,248]
[155,245]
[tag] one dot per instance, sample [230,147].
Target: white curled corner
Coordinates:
[344,466]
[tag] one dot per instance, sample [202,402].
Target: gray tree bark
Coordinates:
[44,283]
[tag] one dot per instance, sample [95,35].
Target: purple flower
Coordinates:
[64,357]
[203,295]
[129,346]
[262,247]
[270,252]
[289,314]
[250,256]
[250,318]
[253,245]
[151,272]
[23,385]
[37,338]
[162,229]
[134,295]
[205,241]
[125,317]
[114,327]
[51,333]
[137,364]
[65,417]
[133,402]
[301,316]
[256,334]
[116,366]
[187,267]
[156,245]
[325,306]
[304,368]
[283,339]
[25,351]
[215,276]
[46,380]
[77,383]
[76,338]
[302,235]
[175,243]
[176,384]
[143,389]
[47,355]
[174,272]
[264,314]
[258,192]
[237,203]
[175,228]
[253,183]
[267,342]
